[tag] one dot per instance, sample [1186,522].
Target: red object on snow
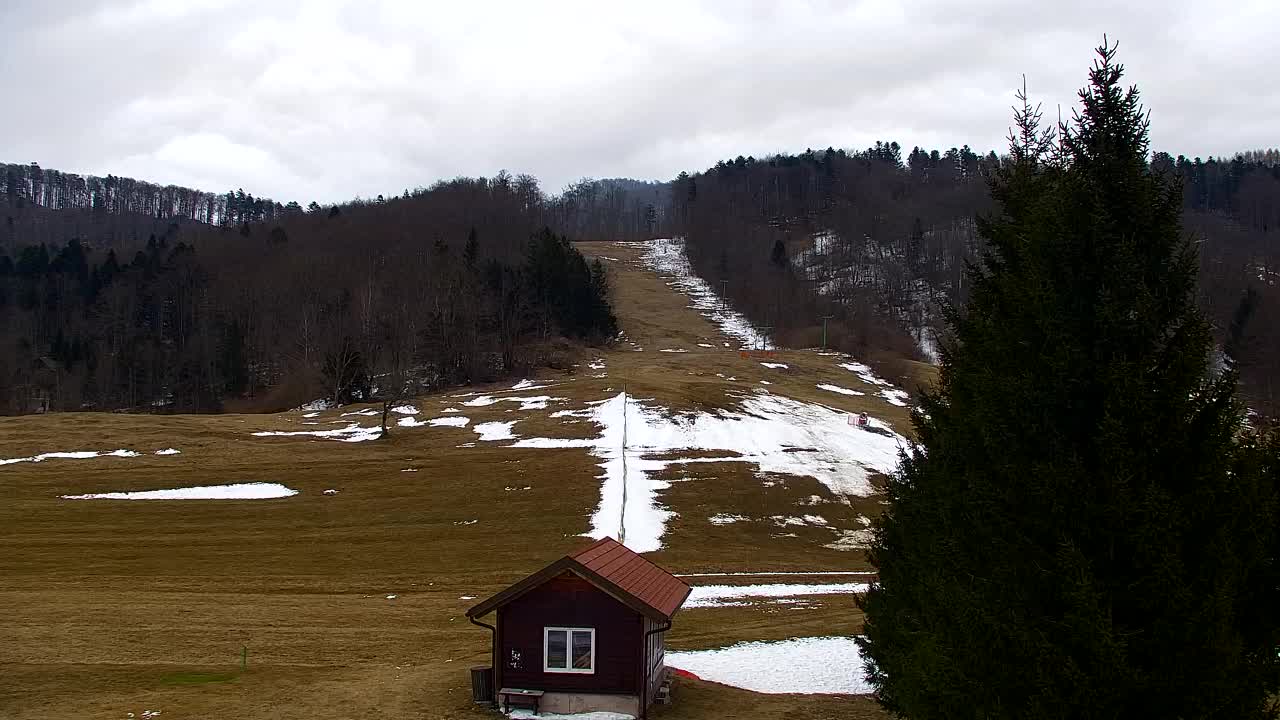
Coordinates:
[683,673]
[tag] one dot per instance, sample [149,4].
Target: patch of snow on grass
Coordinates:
[492,431]
[532,402]
[311,415]
[784,521]
[367,412]
[351,433]
[456,421]
[813,665]
[674,350]
[405,410]
[726,519]
[169,451]
[838,389]
[74,455]
[410,422]
[667,257]
[596,365]
[778,434]
[237,491]
[852,540]
[895,397]
[776,366]
[322,404]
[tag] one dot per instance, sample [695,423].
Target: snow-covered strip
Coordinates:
[311,415]
[674,350]
[169,451]
[667,257]
[450,410]
[887,391]
[704,596]
[778,434]
[809,258]
[776,366]
[452,421]
[864,373]
[236,491]
[492,431]
[405,410]
[838,389]
[814,665]
[596,364]
[73,455]
[367,412]
[532,402]
[351,433]
[764,573]
[522,714]
[527,384]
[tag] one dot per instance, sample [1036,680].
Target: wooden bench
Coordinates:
[530,698]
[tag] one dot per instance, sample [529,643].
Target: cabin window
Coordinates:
[569,650]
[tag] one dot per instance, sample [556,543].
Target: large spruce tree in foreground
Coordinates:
[1087,528]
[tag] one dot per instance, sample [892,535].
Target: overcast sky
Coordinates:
[329,100]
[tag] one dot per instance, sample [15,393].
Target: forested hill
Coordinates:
[879,243]
[117,293]
[123,205]
[458,283]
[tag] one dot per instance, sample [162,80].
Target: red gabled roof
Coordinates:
[647,582]
[613,568]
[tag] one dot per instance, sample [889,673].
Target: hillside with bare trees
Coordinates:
[878,245]
[458,283]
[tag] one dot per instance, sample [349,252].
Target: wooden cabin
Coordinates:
[586,633]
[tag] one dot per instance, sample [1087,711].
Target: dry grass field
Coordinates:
[113,607]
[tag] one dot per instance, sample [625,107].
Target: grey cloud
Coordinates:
[328,100]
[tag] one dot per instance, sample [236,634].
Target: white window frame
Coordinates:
[568,650]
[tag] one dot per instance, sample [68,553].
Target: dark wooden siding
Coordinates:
[655,655]
[570,601]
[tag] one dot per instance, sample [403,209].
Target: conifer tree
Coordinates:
[1087,527]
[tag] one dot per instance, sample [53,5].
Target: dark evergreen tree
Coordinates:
[471,250]
[1237,346]
[1087,529]
[778,256]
